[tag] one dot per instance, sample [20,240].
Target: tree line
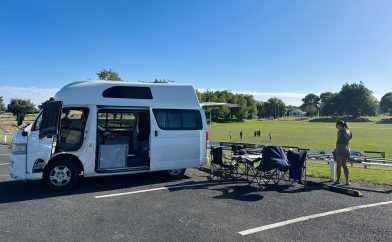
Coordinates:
[352,100]
[248,107]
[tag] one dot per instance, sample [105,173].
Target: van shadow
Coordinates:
[17,191]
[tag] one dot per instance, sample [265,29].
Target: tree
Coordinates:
[356,100]
[2,106]
[386,103]
[328,103]
[247,104]
[311,100]
[41,106]
[260,109]
[251,106]
[108,75]
[20,106]
[275,107]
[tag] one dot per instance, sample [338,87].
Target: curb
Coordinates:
[341,190]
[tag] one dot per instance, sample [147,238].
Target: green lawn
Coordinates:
[374,175]
[315,135]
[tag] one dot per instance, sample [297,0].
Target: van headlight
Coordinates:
[18,149]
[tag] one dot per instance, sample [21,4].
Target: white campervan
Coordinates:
[100,128]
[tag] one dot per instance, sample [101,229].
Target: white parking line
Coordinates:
[300,219]
[161,188]
[5,154]
[3,164]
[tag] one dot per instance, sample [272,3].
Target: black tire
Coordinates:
[175,173]
[60,175]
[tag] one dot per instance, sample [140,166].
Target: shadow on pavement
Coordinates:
[240,193]
[16,191]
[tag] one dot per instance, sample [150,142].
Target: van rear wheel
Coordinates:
[60,175]
[175,173]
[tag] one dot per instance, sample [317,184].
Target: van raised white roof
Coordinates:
[121,93]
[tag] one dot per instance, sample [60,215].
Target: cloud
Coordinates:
[35,94]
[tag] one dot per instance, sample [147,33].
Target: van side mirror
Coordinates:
[24,133]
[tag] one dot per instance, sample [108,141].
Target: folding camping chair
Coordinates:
[297,170]
[221,165]
[273,166]
[239,155]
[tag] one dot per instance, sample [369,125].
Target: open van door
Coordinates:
[43,136]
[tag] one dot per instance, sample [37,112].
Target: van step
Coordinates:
[127,169]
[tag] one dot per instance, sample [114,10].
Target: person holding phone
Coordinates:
[342,150]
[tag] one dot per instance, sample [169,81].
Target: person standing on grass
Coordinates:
[241,134]
[230,133]
[270,137]
[342,150]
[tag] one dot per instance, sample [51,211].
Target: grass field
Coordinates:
[315,135]
[374,175]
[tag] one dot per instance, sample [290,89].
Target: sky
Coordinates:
[282,48]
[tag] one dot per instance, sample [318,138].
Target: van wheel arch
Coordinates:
[69,157]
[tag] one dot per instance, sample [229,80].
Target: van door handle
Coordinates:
[156,133]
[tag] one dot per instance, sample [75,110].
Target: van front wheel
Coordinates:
[60,175]
[175,173]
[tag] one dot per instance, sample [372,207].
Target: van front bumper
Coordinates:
[17,167]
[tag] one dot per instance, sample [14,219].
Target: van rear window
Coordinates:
[178,119]
[128,92]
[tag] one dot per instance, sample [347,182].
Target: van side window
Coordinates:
[178,119]
[73,123]
[128,92]
[116,119]
[174,119]
[37,124]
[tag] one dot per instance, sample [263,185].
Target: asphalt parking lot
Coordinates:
[150,207]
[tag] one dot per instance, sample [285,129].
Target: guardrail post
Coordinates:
[332,170]
[5,138]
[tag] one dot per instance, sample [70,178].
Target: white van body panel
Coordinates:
[170,149]
[89,93]
[174,149]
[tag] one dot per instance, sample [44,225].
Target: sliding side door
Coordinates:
[175,138]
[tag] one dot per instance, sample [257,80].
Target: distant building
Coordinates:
[297,113]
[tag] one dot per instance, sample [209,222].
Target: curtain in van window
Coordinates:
[190,119]
[174,119]
[160,116]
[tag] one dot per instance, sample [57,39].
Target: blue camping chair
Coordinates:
[297,170]
[273,166]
